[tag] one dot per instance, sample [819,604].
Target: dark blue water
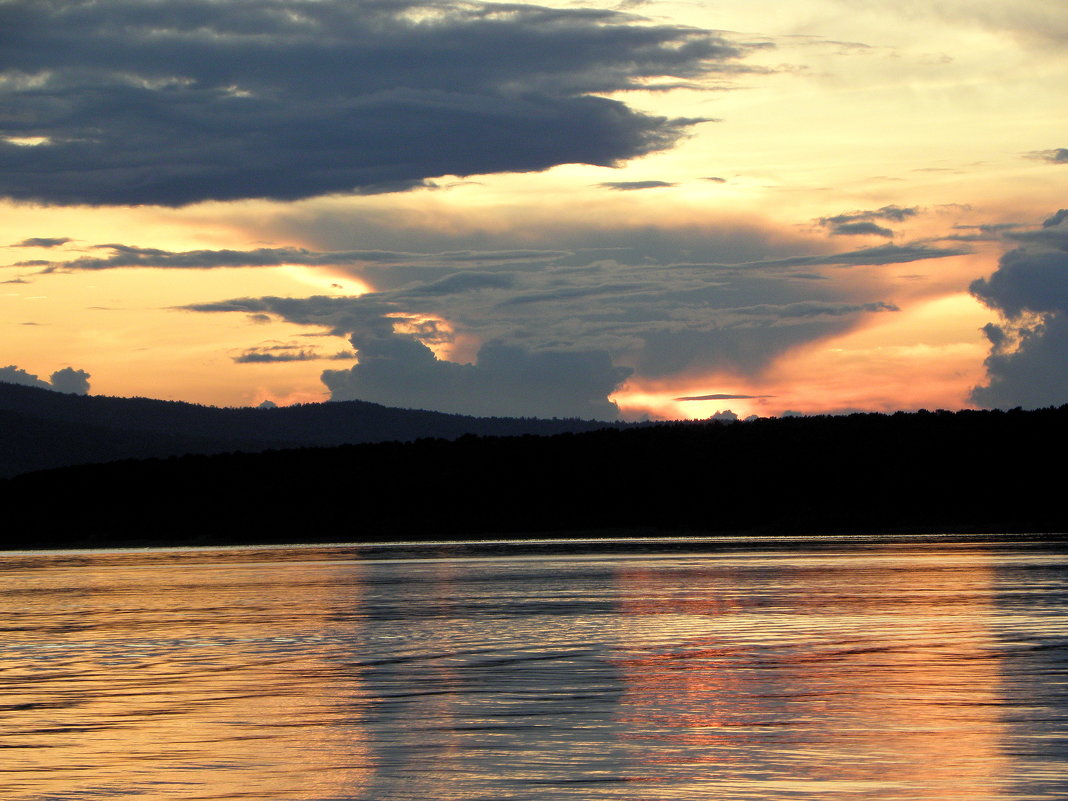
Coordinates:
[840,669]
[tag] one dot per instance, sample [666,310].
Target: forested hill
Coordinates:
[42,429]
[924,472]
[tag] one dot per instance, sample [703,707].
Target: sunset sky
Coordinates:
[643,209]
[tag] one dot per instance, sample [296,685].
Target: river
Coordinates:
[829,668]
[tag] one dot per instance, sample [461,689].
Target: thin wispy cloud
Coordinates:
[633,186]
[722,396]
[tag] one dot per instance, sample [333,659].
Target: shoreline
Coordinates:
[582,542]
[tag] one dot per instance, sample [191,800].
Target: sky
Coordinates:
[634,210]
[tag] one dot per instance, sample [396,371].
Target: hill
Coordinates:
[42,429]
[966,471]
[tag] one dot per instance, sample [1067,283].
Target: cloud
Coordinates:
[981,233]
[633,186]
[860,229]
[660,319]
[42,242]
[881,255]
[365,262]
[890,213]
[664,302]
[506,380]
[128,256]
[1056,220]
[1027,366]
[813,309]
[722,397]
[172,102]
[68,380]
[1056,156]
[268,354]
[856,223]
[1036,22]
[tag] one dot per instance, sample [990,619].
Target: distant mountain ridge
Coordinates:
[42,429]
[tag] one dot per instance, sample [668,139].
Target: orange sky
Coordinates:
[843,127]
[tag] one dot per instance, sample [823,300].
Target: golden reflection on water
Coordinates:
[869,674]
[894,694]
[184,684]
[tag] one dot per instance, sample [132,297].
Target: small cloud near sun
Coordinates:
[720,396]
[634,186]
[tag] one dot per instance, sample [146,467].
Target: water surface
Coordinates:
[838,669]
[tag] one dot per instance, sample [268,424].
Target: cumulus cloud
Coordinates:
[1027,366]
[171,102]
[68,380]
[506,380]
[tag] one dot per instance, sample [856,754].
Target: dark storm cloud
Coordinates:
[1056,156]
[1027,366]
[633,186]
[172,102]
[69,380]
[42,242]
